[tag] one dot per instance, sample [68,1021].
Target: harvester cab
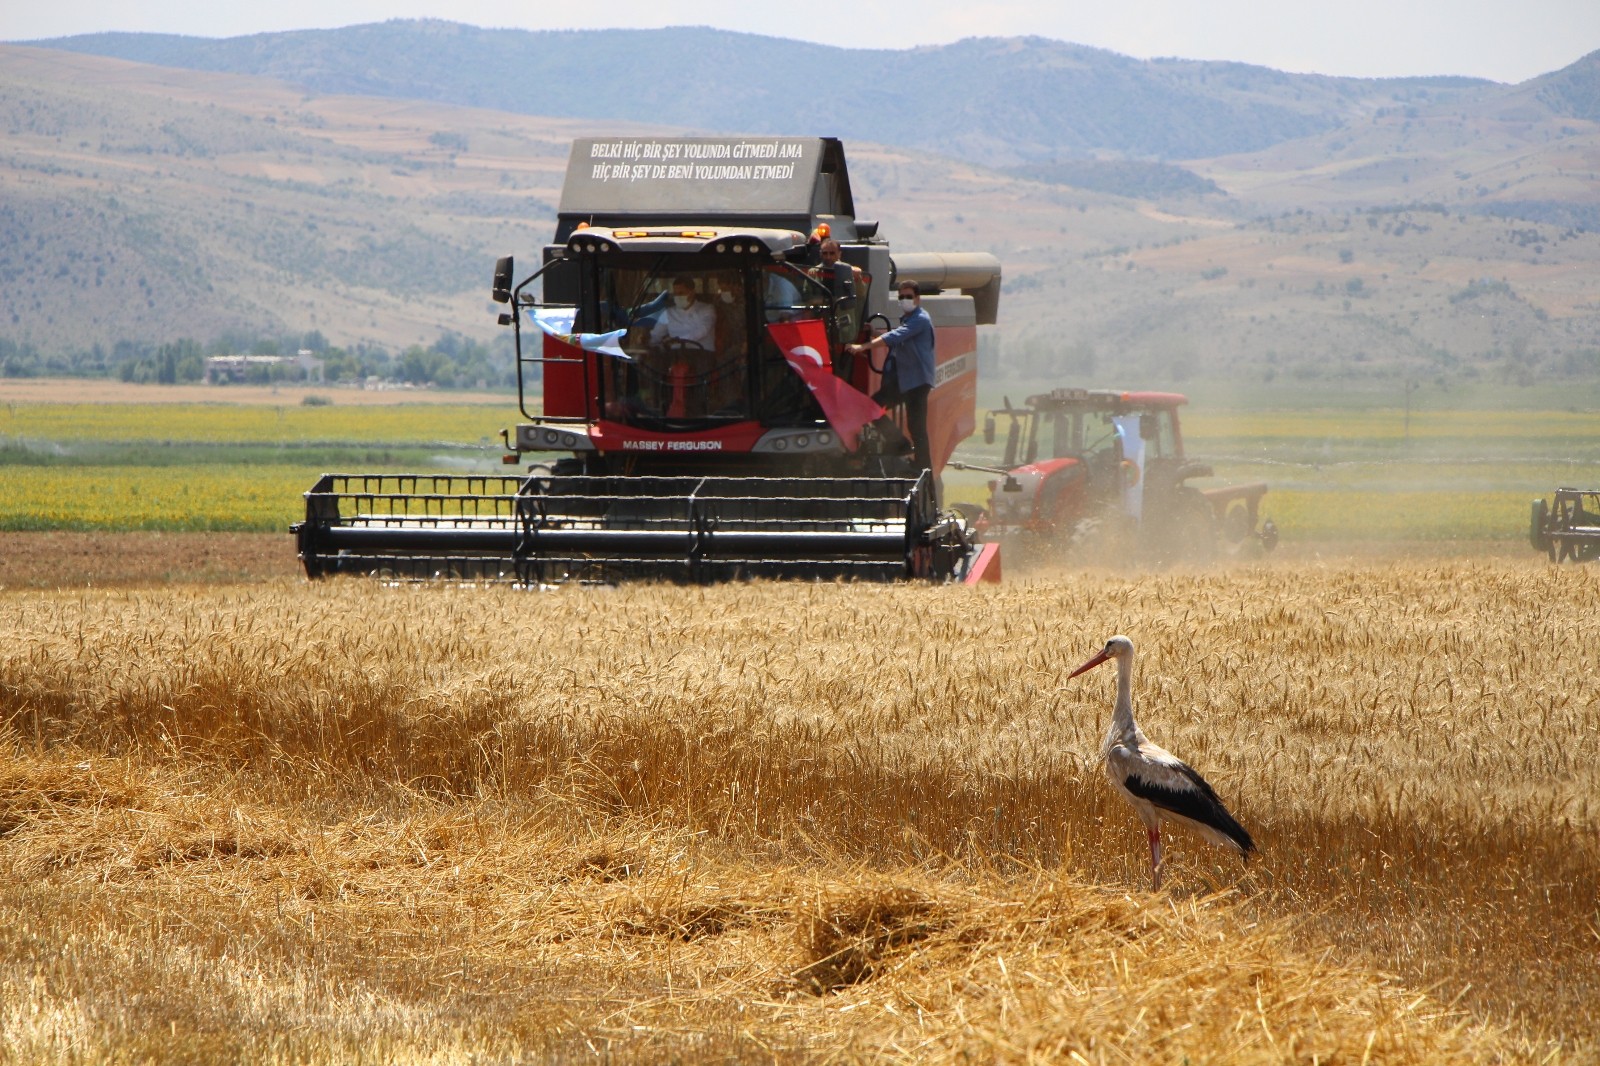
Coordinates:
[686,391]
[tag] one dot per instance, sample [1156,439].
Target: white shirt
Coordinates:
[696,323]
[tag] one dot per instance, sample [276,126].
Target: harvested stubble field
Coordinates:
[285,822]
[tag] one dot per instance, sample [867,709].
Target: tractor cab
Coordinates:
[1109,444]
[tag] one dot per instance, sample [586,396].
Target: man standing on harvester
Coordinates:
[908,372]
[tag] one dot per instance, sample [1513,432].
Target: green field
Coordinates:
[116,427]
[217,467]
[1341,472]
[201,497]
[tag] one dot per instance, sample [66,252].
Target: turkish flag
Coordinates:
[805,345]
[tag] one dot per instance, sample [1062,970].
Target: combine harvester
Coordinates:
[747,451]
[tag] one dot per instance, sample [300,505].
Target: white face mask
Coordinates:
[682,302]
[907,305]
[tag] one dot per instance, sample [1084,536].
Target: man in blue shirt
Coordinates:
[908,372]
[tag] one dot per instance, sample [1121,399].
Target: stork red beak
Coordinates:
[1096,661]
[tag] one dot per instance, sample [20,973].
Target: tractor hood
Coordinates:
[1019,506]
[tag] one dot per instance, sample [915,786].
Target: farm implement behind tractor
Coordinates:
[1568,526]
[685,388]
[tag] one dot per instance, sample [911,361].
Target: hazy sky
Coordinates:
[1507,40]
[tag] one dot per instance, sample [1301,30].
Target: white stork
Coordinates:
[1157,783]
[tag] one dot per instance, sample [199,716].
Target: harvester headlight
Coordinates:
[722,246]
[802,441]
[780,445]
[568,439]
[824,438]
[550,436]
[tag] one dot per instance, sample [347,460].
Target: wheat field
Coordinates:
[337,822]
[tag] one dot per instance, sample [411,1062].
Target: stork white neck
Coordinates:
[1122,724]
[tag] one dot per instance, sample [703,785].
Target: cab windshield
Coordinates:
[697,344]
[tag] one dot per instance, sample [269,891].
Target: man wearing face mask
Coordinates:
[908,371]
[686,318]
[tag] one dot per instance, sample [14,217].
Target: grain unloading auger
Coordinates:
[688,394]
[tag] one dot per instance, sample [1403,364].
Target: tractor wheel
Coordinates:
[1188,530]
[1102,537]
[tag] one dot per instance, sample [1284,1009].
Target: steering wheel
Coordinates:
[877,316]
[681,345]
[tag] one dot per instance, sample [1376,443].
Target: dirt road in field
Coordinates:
[79,560]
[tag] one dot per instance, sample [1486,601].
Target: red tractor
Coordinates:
[1086,465]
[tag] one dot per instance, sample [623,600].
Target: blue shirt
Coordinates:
[911,350]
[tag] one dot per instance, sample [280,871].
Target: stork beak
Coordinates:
[1092,663]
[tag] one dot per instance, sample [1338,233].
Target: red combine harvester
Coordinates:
[1082,464]
[688,368]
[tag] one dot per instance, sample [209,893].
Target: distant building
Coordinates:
[237,369]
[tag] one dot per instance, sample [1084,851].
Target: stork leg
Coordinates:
[1154,833]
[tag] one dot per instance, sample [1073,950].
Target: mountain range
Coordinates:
[987,100]
[1173,217]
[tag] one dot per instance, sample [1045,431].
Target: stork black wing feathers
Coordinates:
[1195,801]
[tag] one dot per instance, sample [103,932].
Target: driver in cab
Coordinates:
[686,319]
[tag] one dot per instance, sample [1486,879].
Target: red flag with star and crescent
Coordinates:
[805,345]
